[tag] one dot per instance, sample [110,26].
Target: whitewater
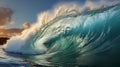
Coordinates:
[72,37]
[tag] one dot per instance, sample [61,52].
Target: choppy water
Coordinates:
[88,38]
[11,60]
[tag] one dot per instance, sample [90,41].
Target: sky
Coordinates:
[27,10]
[18,15]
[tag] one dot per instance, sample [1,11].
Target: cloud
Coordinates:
[5,16]
[26,25]
[7,33]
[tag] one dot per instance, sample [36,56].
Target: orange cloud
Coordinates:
[26,25]
[10,32]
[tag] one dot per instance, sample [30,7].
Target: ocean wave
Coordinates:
[77,38]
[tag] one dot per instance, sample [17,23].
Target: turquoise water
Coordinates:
[88,38]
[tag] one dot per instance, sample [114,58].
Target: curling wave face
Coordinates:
[77,38]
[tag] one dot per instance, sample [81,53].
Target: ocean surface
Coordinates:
[88,38]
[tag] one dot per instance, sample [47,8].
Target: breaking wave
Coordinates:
[71,37]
